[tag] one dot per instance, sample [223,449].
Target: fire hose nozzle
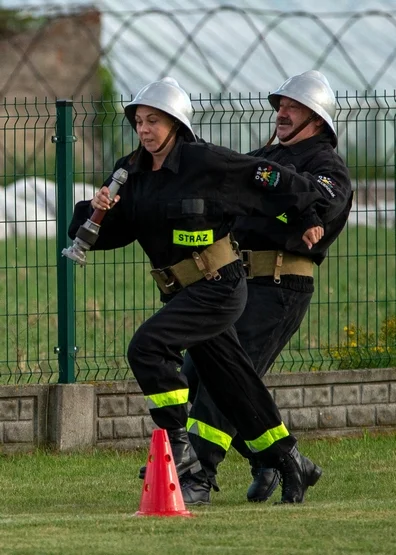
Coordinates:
[86,237]
[87,233]
[76,252]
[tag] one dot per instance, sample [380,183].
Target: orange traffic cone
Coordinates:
[161,494]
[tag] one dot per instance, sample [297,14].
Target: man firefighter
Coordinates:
[279,264]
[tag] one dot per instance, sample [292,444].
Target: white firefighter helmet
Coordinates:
[311,89]
[165,95]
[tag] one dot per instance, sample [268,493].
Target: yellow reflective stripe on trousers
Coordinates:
[168,399]
[267,439]
[209,433]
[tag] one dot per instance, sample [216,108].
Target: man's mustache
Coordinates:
[284,121]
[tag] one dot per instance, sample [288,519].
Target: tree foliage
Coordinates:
[13,22]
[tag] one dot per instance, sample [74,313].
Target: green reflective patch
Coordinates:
[192,238]
[267,438]
[209,433]
[282,217]
[159,400]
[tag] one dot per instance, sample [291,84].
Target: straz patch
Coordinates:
[268,176]
[192,238]
[328,184]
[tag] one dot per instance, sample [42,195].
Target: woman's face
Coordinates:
[152,127]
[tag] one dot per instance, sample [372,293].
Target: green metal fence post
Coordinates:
[64,139]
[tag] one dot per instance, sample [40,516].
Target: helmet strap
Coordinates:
[298,129]
[172,131]
[271,139]
[135,154]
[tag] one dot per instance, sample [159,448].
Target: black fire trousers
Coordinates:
[271,317]
[201,318]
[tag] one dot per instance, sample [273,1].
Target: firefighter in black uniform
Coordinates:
[275,308]
[180,201]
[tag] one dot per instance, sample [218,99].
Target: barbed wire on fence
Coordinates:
[224,49]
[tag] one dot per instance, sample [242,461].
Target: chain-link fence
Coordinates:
[352,319]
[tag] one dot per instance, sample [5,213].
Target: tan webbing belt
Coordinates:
[201,265]
[275,263]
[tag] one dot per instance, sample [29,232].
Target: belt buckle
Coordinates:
[165,280]
[246,257]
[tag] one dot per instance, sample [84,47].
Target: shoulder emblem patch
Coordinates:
[328,184]
[268,176]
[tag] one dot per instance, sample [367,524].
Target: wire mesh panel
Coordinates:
[114,293]
[352,319]
[28,304]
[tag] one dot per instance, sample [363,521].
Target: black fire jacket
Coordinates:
[318,166]
[194,198]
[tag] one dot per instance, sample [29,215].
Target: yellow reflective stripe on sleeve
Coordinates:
[159,400]
[267,439]
[209,433]
[192,238]
[282,217]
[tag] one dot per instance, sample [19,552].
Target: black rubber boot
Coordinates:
[265,482]
[297,473]
[184,455]
[195,488]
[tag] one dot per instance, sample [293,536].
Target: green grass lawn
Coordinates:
[84,504]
